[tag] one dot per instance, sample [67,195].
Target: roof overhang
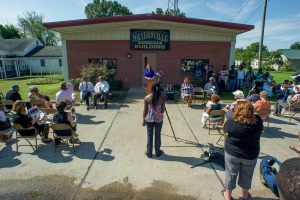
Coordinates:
[148,20]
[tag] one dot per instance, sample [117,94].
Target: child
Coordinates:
[48,102]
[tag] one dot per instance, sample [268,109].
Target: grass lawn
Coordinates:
[47,89]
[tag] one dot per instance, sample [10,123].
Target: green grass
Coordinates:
[46,89]
[279,77]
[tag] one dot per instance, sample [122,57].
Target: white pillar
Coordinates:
[232,51]
[65,59]
[1,69]
[4,69]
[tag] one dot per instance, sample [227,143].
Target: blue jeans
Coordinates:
[231,84]
[240,84]
[85,97]
[150,127]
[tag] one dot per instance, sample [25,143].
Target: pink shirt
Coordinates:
[65,95]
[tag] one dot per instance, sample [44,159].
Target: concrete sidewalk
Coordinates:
[110,162]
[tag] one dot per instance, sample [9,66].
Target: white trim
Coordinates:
[65,60]
[232,52]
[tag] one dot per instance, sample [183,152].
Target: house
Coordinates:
[19,57]
[174,45]
[291,55]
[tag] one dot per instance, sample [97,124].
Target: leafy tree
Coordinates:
[9,32]
[295,45]
[275,58]
[169,12]
[288,66]
[103,8]
[31,24]
[250,53]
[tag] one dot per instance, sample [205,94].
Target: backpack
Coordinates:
[268,171]
[215,155]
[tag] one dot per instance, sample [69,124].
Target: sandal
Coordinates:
[295,149]
[222,192]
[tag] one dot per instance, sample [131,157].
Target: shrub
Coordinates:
[115,85]
[76,83]
[288,66]
[43,81]
[93,71]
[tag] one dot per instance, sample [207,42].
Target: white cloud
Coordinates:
[277,32]
[233,11]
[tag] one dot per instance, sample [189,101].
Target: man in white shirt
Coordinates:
[86,90]
[101,91]
[65,93]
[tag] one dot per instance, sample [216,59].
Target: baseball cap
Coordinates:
[239,94]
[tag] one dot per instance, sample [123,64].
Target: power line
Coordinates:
[255,12]
[243,7]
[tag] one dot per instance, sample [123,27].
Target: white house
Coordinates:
[19,57]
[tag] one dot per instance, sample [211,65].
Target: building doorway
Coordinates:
[148,58]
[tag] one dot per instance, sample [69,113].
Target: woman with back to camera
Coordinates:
[241,148]
[154,107]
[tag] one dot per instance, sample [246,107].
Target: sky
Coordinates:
[282,19]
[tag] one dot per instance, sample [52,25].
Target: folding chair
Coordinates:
[292,110]
[7,103]
[215,122]
[37,103]
[18,128]
[64,139]
[263,113]
[198,94]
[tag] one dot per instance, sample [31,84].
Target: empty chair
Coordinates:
[198,94]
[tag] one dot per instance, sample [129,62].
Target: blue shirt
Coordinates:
[149,73]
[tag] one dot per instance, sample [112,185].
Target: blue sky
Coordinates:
[282,22]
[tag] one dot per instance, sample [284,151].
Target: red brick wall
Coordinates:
[130,70]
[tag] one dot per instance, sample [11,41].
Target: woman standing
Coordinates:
[149,76]
[187,91]
[241,148]
[154,107]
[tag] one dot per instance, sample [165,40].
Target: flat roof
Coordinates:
[140,17]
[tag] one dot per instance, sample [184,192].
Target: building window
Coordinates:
[189,66]
[43,63]
[110,63]
[59,62]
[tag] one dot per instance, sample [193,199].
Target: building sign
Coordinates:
[149,39]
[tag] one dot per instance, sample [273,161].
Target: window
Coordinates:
[43,62]
[59,62]
[110,63]
[191,65]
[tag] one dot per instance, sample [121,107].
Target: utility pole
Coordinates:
[262,33]
[173,4]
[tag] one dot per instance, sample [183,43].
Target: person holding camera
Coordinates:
[101,91]
[154,107]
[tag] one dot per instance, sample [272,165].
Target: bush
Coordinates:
[93,72]
[43,81]
[115,85]
[76,83]
[288,66]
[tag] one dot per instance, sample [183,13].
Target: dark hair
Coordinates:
[156,92]
[47,98]
[60,107]
[288,179]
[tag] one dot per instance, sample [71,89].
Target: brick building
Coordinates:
[175,45]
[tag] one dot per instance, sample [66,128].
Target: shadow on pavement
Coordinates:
[279,121]
[275,132]
[87,119]
[7,157]
[64,154]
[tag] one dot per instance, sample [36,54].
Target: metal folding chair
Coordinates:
[18,128]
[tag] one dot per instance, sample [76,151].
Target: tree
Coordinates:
[169,12]
[295,45]
[103,8]
[31,24]
[9,32]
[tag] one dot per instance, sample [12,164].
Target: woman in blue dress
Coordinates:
[149,76]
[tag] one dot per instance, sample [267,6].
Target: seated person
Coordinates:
[296,148]
[238,95]
[5,125]
[26,121]
[263,104]
[35,95]
[214,104]
[253,95]
[65,93]
[210,88]
[101,91]
[86,89]
[187,91]
[288,179]
[66,118]
[48,103]
[292,98]
[13,95]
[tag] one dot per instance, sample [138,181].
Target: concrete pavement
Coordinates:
[110,162]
